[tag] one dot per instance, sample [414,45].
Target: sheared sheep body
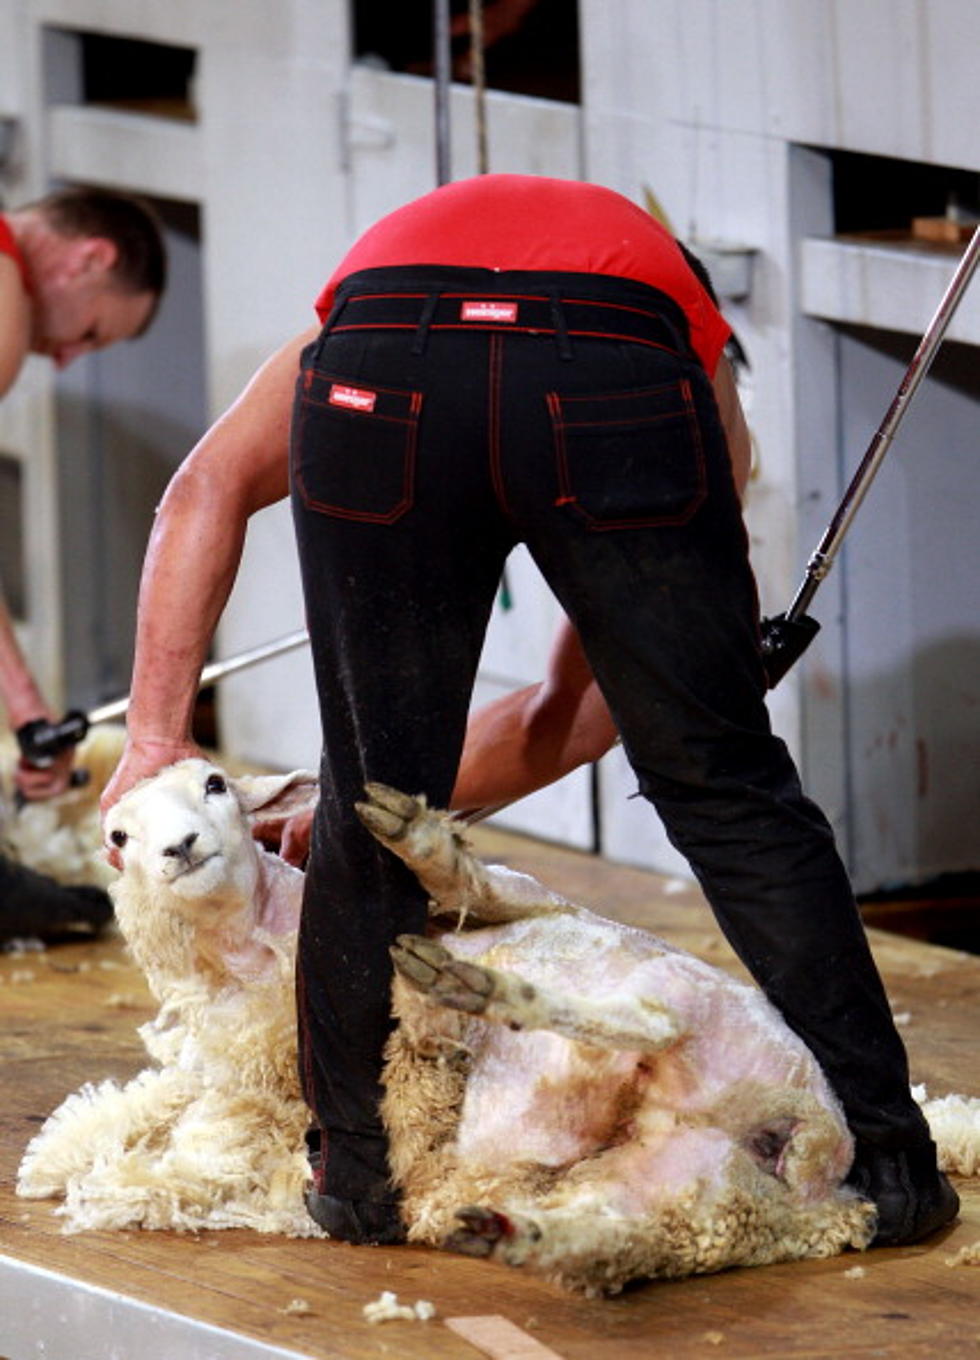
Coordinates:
[607,1106]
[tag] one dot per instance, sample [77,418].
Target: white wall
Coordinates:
[720,108]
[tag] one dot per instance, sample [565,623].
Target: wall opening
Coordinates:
[127,74]
[884,195]
[531,46]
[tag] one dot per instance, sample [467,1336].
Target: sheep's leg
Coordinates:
[435,849]
[585,1247]
[506,999]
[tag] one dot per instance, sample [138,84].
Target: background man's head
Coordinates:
[98,268]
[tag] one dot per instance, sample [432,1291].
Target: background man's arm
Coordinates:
[24,702]
[192,559]
[15,323]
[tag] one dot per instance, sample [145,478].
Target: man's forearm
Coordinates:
[533,736]
[519,743]
[21,696]
[192,559]
[190,567]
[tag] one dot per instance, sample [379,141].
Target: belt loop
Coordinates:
[425,321]
[561,328]
[333,316]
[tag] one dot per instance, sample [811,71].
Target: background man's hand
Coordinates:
[34,782]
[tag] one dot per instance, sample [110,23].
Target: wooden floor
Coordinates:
[70,1016]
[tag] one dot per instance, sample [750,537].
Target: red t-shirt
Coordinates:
[527,222]
[8,246]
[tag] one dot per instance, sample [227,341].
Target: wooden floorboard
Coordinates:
[70,1016]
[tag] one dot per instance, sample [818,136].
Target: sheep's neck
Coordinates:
[231,949]
[246,948]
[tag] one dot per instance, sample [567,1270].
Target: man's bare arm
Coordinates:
[24,702]
[734,424]
[192,560]
[15,323]
[532,737]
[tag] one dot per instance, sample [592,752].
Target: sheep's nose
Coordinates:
[182,850]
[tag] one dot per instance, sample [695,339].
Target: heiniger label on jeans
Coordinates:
[354,398]
[488,311]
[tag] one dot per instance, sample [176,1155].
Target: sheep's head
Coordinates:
[189,864]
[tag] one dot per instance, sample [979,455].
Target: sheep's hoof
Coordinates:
[486,1232]
[389,813]
[482,1229]
[432,969]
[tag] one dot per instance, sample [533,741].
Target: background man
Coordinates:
[79,270]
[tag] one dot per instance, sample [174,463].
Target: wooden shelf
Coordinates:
[148,154]
[889,280]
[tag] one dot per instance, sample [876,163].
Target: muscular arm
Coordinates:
[733,423]
[192,559]
[536,735]
[18,689]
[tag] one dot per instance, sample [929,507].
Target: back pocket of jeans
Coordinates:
[354,447]
[629,460]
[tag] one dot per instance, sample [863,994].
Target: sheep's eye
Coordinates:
[215,784]
[118,838]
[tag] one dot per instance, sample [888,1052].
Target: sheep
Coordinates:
[61,836]
[213,1134]
[53,874]
[563,1092]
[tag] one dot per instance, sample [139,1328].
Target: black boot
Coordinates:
[913,1197]
[363,1222]
[373,1217]
[32,905]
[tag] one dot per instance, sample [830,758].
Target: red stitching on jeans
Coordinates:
[312,375]
[304,1028]
[560,425]
[561,459]
[493,421]
[411,422]
[509,330]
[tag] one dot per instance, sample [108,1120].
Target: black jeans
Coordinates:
[570,415]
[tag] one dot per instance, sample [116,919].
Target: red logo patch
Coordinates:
[354,398]
[488,311]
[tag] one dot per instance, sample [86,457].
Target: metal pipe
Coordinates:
[479,79]
[442,66]
[217,670]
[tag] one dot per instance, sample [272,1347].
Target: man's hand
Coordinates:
[290,839]
[295,844]
[35,782]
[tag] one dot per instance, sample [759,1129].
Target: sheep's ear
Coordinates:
[277,797]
